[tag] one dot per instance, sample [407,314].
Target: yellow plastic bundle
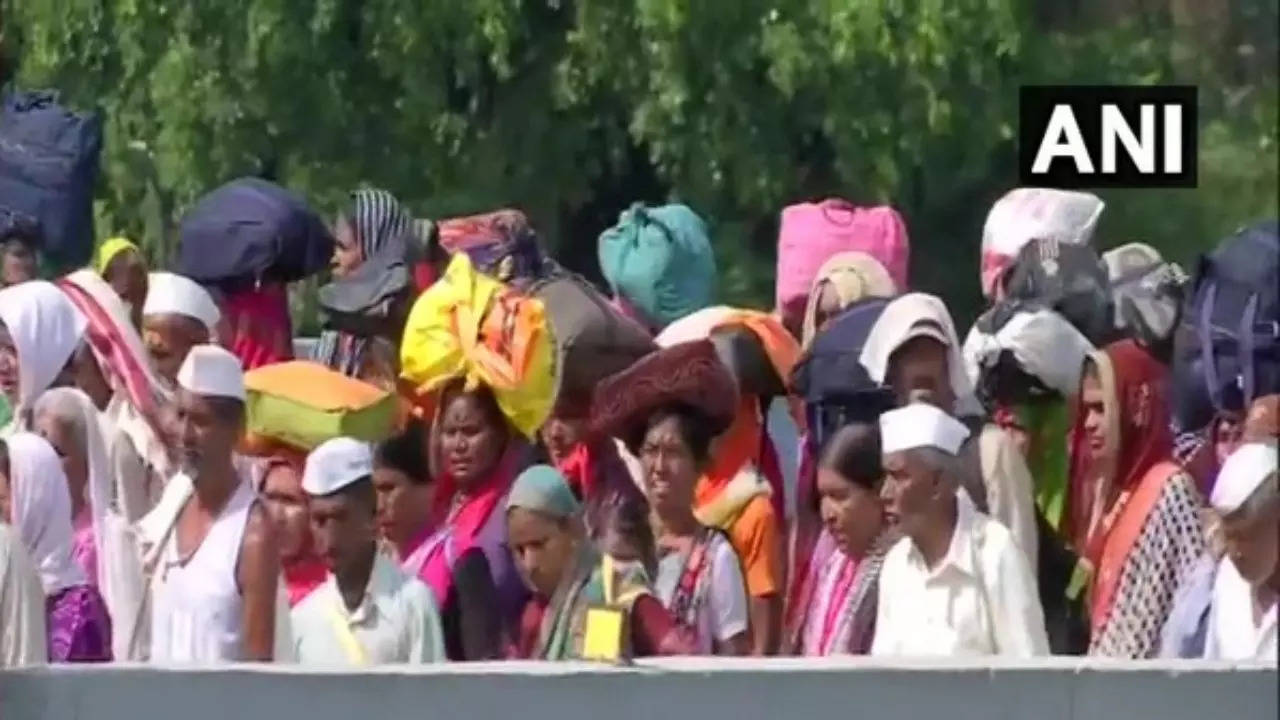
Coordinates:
[468,325]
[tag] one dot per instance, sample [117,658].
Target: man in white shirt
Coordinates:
[367,611]
[22,623]
[1242,613]
[956,583]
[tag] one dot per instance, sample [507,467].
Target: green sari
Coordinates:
[597,581]
[1046,425]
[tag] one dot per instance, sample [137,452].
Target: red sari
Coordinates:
[1145,536]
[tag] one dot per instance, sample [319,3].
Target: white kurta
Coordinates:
[980,599]
[22,615]
[396,622]
[1236,630]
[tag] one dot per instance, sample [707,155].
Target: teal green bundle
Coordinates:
[660,260]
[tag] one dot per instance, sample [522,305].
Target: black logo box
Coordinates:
[1036,105]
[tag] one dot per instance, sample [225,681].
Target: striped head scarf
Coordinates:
[376,217]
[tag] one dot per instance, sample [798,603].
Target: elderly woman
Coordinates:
[117,375]
[41,334]
[286,502]
[1131,511]
[569,578]
[838,600]
[78,625]
[668,407]
[102,544]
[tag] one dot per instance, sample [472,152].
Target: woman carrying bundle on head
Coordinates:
[481,355]
[668,408]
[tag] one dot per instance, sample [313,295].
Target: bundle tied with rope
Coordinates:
[470,326]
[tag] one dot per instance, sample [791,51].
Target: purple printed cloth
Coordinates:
[79,628]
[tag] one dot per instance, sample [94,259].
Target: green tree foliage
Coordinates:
[571,109]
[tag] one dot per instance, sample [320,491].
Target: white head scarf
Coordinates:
[42,511]
[918,315]
[46,329]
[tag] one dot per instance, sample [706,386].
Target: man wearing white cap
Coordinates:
[368,611]
[913,349]
[956,583]
[1242,617]
[177,315]
[215,592]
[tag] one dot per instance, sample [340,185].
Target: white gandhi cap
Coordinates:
[921,425]
[211,371]
[1242,474]
[336,464]
[170,294]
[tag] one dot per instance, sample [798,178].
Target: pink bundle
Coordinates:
[812,232]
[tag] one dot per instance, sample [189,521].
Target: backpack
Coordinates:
[1226,350]
[592,340]
[660,260]
[832,381]
[1068,279]
[249,229]
[48,167]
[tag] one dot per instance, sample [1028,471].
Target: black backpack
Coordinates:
[1227,347]
[1069,279]
[48,167]
[831,379]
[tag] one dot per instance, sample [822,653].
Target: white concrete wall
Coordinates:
[683,689]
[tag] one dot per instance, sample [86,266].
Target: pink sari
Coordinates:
[258,325]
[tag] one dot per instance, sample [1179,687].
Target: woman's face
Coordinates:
[561,434]
[404,506]
[1093,405]
[8,365]
[919,368]
[670,469]
[346,250]
[71,451]
[471,442]
[543,548]
[850,512]
[287,505]
[17,263]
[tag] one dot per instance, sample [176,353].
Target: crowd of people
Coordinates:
[837,475]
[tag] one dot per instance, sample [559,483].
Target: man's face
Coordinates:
[127,274]
[17,263]
[207,435]
[919,370]
[1253,543]
[342,526]
[909,489]
[169,338]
